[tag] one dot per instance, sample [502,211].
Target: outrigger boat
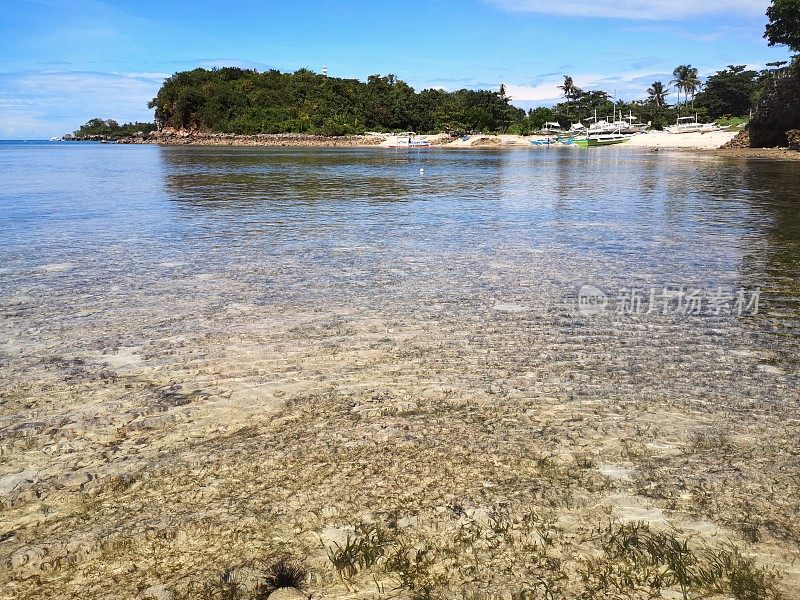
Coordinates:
[545,142]
[552,128]
[692,125]
[631,124]
[601,139]
[407,140]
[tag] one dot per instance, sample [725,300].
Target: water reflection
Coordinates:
[365,227]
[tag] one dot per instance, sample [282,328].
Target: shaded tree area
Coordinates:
[233,100]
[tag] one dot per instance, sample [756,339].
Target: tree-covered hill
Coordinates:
[233,100]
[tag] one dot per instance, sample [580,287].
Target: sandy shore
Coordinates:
[694,141]
[653,139]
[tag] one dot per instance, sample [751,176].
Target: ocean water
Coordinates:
[295,338]
[106,247]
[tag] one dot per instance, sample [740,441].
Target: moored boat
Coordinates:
[408,140]
[601,139]
[692,125]
[552,128]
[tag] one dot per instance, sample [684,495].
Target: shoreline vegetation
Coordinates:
[237,107]
[722,143]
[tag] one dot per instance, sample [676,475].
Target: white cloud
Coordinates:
[636,9]
[533,93]
[40,104]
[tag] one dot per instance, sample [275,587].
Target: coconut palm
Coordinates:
[657,94]
[681,74]
[692,84]
[686,81]
[570,89]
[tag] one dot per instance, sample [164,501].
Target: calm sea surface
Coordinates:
[106,246]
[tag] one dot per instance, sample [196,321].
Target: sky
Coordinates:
[63,62]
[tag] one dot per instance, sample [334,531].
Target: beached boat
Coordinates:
[631,124]
[602,127]
[577,129]
[544,142]
[409,141]
[692,125]
[597,126]
[552,128]
[601,139]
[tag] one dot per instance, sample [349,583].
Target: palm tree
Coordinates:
[681,75]
[657,94]
[686,80]
[692,83]
[570,90]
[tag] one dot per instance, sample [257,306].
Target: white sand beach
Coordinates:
[652,139]
[698,141]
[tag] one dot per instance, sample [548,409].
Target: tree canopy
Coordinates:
[110,129]
[242,101]
[731,91]
[783,28]
[233,100]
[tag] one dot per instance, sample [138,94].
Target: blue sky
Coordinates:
[63,62]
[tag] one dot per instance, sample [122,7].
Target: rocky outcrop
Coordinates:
[194,138]
[793,137]
[742,140]
[778,112]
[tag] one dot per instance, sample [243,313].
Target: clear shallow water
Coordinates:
[269,336]
[105,246]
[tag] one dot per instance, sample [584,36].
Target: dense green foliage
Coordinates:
[732,91]
[245,101]
[233,100]
[784,24]
[110,129]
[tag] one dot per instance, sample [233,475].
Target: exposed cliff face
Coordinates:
[778,112]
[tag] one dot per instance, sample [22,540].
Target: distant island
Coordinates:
[107,130]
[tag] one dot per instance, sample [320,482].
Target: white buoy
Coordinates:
[422,171]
